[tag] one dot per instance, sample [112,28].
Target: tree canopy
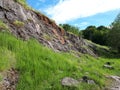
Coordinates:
[70,28]
[101,35]
[114,34]
[96,34]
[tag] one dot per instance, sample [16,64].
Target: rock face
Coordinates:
[10,80]
[115,83]
[25,24]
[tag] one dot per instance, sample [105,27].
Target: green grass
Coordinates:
[7,59]
[3,26]
[47,37]
[24,4]
[41,68]
[104,51]
[18,23]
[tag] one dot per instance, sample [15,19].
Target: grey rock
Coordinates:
[91,82]
[116,78]
[108,66]
[87,80]
[67,81]
[115,85]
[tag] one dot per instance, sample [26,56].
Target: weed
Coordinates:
[3,26]
[47,37]
[18,23]
[24,4]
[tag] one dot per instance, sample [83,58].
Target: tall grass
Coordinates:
[41,68]
[24,4]
[3,26]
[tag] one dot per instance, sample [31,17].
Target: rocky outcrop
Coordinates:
[26,24]
[114,84]
[70,82]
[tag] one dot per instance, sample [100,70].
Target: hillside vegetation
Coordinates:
[102,35]
[41,68]
[42,53]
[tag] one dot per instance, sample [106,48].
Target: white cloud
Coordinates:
[67,10]
[81,24]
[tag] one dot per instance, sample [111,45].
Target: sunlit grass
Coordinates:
[23,3]
[41,68]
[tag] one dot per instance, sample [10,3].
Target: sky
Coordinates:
[80,13]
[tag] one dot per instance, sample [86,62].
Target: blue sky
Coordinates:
[80,13]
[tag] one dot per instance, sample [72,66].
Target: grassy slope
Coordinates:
[41,68]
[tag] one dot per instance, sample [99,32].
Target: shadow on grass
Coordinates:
[108,53]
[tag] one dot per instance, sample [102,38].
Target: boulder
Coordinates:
[108,66]
[87,80]
[115,84]
[67,81]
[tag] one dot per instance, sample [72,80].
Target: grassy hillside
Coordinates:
[41,68]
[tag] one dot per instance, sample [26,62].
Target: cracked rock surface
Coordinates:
[10,80]
[38,26]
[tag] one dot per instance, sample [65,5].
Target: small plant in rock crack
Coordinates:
[18,23]
[47,37]
[24,4]
[3,26]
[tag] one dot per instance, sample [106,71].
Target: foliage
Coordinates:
[42,68]
[23,3]
[3,26]
[70,28]
[114,34]
[97,35]
[47,37]
[89,32]
[7,59]
[18,23]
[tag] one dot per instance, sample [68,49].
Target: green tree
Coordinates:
[70,28]
[114,34]
[97,35]
[89,32]
[103,33]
